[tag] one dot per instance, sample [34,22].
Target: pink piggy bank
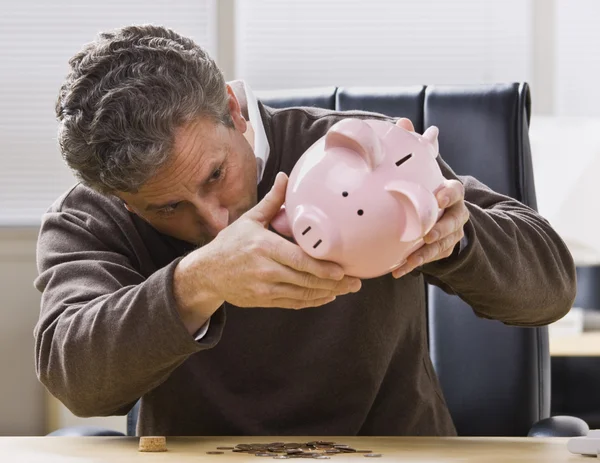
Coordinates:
[363,196]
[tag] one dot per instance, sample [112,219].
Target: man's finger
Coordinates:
[270,205]
[307,280]
[406,124]
[288,291]
[429,253]
[452,192]
[402,270]
[291,255]
[434,251]
[452,221]
[298,304]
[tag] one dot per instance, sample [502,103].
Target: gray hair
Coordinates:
[125,96]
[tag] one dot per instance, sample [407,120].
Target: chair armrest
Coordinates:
[559,426]
[85,431]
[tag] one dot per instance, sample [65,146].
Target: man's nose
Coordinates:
[215,217]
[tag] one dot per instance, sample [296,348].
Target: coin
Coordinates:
[318,450]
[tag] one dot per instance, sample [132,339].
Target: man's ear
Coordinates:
[235,110]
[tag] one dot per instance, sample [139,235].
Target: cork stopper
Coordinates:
[153,444]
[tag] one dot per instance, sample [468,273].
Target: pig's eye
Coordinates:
[344,194]
[360,212]
[403,160]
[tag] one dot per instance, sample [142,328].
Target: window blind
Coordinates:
[292,44]
[577,58]
[37,38]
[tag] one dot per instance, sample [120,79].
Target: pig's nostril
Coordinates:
[403,160]
[317,244]
[306,231]
[360,212]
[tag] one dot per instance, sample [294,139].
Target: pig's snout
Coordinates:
[319,240]
[315,233]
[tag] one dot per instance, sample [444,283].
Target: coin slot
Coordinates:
[317,243]
[403,160]
[306,231]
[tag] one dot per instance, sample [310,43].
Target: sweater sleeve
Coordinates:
[514,268]
[106,334]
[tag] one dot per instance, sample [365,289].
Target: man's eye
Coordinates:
[216,175]
[167,210]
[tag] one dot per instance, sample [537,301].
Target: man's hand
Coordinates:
[249,266]
[447,232]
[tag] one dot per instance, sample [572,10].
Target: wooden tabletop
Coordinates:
[193,449]
[580,345]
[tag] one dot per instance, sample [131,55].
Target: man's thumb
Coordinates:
[269,206]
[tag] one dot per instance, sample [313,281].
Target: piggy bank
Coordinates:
[363,196]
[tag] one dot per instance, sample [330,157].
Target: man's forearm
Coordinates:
[515,268]
[196,302]
[100,355]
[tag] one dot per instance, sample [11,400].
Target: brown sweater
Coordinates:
[109,332]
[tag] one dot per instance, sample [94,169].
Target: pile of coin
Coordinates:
[320,450]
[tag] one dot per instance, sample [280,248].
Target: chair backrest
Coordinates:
[496,378]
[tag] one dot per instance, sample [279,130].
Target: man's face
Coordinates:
[208,183]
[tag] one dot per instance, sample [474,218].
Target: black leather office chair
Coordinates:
[496,378]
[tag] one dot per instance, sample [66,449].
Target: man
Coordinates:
[161,279]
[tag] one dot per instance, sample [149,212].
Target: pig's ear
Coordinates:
[431,135]
[358,136]
[281,224]
[419,205]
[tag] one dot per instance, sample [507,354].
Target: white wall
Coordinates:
[25,407]
[22,406]
[577,65]
[543,59]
